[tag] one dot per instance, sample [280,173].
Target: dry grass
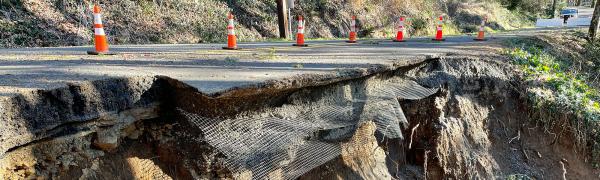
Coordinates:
[68,22]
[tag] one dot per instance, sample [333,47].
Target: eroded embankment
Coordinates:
[475,126]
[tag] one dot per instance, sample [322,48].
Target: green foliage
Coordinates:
[538,7]
[24,33]
[269,55]
[578,96]
[592,54]
[367,31]
[232,60]
[571,94]
[148,7]
[419,24]
[10,3]
[298,66]
[518,177]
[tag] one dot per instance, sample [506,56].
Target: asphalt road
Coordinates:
[211,69]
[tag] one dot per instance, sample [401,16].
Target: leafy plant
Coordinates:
[270,55]
[232,59]
[518,177]
[298,66]
[571,94]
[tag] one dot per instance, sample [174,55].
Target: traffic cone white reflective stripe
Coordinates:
[98,23]
[300,34]
[440,33]
[400,30]
[231,38]
[352,38]
[353,24]
[230,28]
[97,18]
[99,34]
[483,22]
[401,25]
[301,26]
[99,31]
[481,33]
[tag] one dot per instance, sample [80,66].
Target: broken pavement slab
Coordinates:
[136,81]
[205,66]
[43,95]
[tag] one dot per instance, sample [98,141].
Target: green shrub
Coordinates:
[571,94]
[592,54]
[419,24]
[518,177]
[10,3]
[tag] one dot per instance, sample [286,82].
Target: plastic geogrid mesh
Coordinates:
[293,139]
[266,145]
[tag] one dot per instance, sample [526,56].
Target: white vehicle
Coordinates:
[569,13]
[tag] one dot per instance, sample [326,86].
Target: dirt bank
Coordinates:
[475,125]
[482,128]
[31,23]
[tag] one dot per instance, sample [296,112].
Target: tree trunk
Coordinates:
[595,22]
[554,6]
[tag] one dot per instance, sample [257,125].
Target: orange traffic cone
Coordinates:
[440,34]
[300,34]
[99,35]
[400,34]
[231,38]
[481,34]
[352,30]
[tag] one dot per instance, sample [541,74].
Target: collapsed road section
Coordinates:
[439,118]
[307,130]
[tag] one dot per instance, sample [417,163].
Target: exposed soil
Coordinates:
[476,127]
[482,127]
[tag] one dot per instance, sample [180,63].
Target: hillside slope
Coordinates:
[30,23]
